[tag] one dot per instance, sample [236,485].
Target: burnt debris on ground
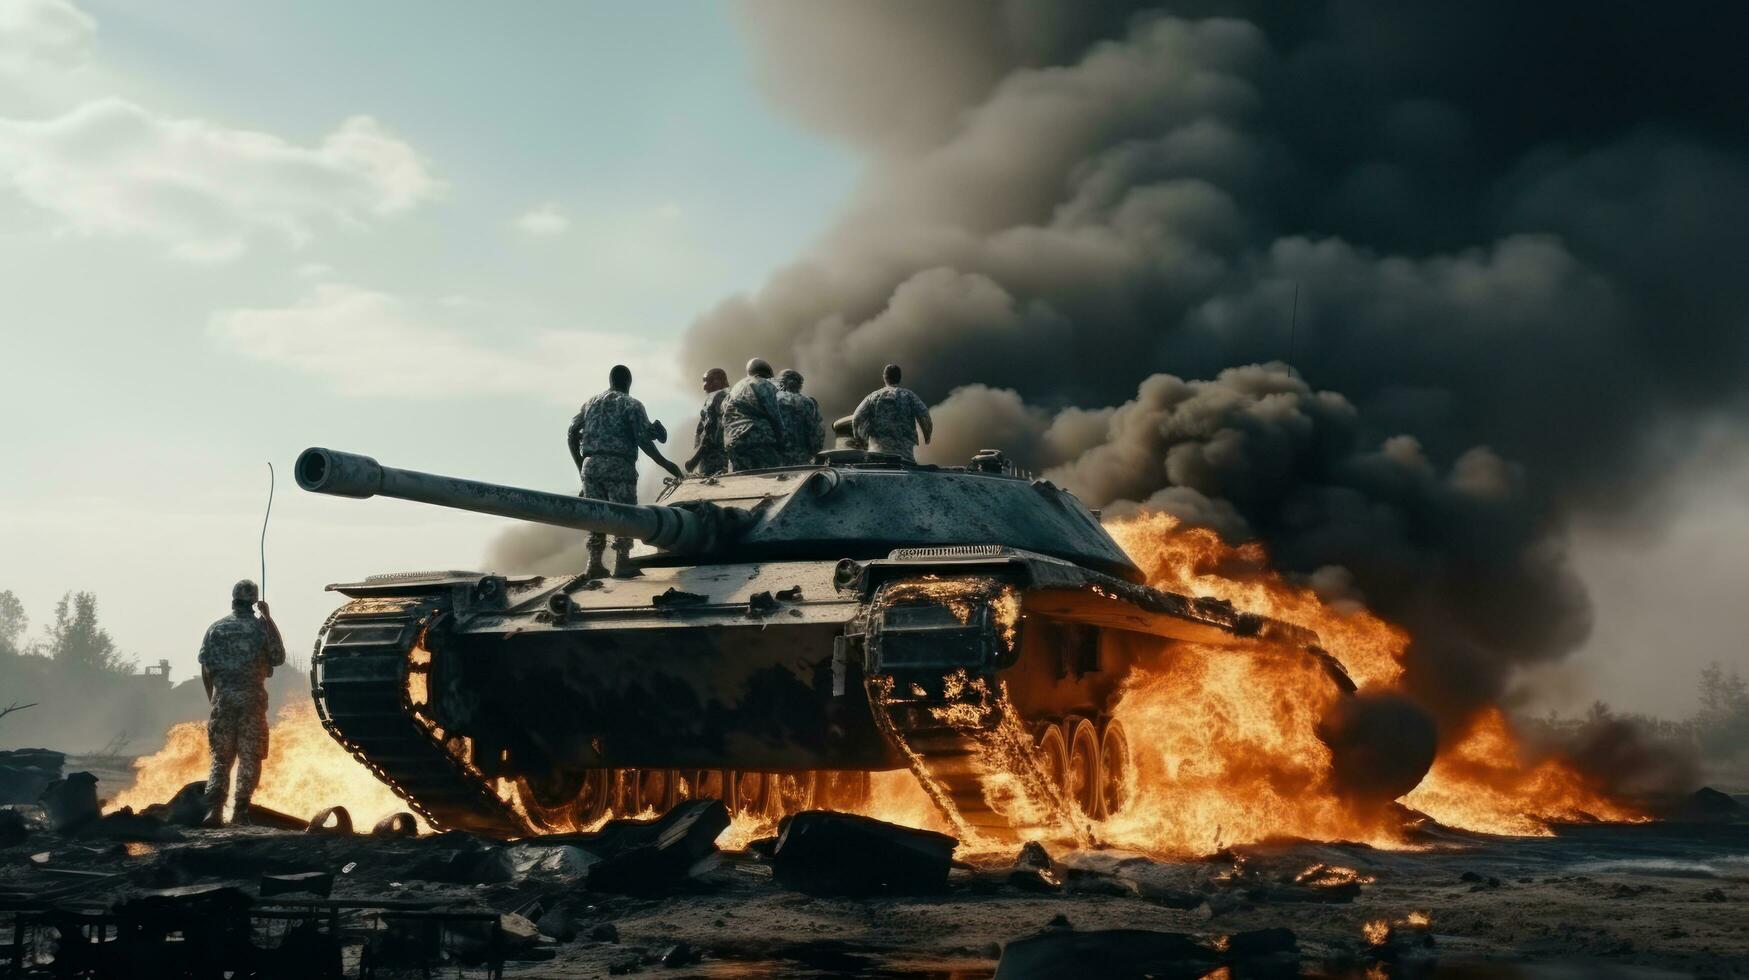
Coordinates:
[838,894]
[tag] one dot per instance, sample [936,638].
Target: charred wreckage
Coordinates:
[790,631]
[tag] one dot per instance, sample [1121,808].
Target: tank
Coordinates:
[787,633]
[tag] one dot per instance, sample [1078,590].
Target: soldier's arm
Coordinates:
[641,422]
[571,439]
[924,422]
[206,676]
[275,644]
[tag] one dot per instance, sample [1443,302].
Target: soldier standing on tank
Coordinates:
[236,657]
[708,458]
[889,419]
[752,422]
[605,437]
[803,432]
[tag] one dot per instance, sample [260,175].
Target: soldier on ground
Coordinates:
[604,439]
[709,459]
[752,422]
[889,419]
[804,432]
[236,657]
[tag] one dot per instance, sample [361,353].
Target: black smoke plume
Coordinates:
[1508,234]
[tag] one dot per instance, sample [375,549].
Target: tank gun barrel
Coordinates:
[351,475]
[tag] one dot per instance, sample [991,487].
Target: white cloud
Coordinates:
[368,343]
[543,221]
[111,168]
[39,34]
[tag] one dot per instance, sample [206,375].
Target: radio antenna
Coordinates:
[264,518]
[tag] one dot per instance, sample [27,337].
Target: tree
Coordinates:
[1722,724]
[12,622]
[77,642]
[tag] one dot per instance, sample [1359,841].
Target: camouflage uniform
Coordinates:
[887,421]
[609,429]
[752,425]
[803,433]
[708,437]
[237,653]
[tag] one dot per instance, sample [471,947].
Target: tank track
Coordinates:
[972,752]
[359,680]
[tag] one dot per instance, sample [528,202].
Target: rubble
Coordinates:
[126,825]
[13,827]
[650,858]
[1034,870]
[333,820]
[313,882]
[1111,953]
[1707,805]
[829,853]
[71,802]
[399,824]
[25,773]
[480,864]
[186,809]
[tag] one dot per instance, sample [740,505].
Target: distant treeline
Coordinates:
[89,697]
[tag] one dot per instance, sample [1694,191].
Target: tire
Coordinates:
[713,784]
[656,790]
[1081,782]
[1115,773]
[752,792]
[594,797]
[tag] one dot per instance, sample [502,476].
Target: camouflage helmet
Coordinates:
[790,379]
[245,591]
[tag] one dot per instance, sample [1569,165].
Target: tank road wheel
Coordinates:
[793,792]
[1082,785]
[713,784]
[1053,756]
[1114,770]
[625,792]
[752,792]
[594,798]
[656,790]
[551,797]
[845,789]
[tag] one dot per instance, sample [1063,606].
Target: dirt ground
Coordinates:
[1650,900]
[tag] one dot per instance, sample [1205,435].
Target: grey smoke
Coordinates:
[1514,231]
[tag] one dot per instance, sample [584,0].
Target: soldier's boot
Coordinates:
[240,815]
[622,561]
[596,568]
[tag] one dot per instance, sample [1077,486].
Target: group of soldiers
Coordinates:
[757,423]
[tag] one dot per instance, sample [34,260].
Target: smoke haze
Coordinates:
[1496,244]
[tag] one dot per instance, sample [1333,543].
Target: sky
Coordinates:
[229,233]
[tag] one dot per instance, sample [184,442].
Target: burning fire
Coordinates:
[1226,747]
[1481,784]
[305,770]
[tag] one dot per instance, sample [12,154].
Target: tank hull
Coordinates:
[507,698]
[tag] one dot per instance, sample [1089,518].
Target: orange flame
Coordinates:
[1226,748]
[305,771]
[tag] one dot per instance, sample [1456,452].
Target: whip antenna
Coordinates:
[264,518]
